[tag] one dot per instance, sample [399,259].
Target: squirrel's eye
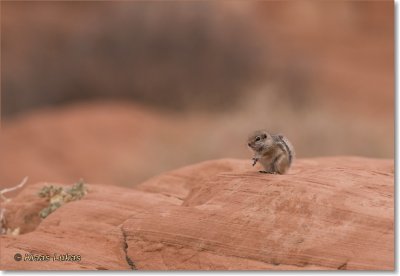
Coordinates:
[258,138]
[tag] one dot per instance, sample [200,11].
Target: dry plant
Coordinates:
[3,224]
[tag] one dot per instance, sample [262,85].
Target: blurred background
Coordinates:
[117,92]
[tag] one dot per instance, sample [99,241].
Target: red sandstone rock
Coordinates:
[327,213]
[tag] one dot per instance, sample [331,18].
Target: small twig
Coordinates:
[2,211]
[20,185]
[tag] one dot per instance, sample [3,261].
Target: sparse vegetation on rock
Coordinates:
[58,196]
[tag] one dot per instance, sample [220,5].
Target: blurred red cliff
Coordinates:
[116,92]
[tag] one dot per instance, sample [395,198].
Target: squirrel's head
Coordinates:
[259,140]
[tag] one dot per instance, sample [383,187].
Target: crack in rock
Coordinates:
[343,266]
[125,248]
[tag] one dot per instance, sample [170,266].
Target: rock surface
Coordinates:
[327,213]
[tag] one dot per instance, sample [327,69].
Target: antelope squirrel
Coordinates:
[273,151]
